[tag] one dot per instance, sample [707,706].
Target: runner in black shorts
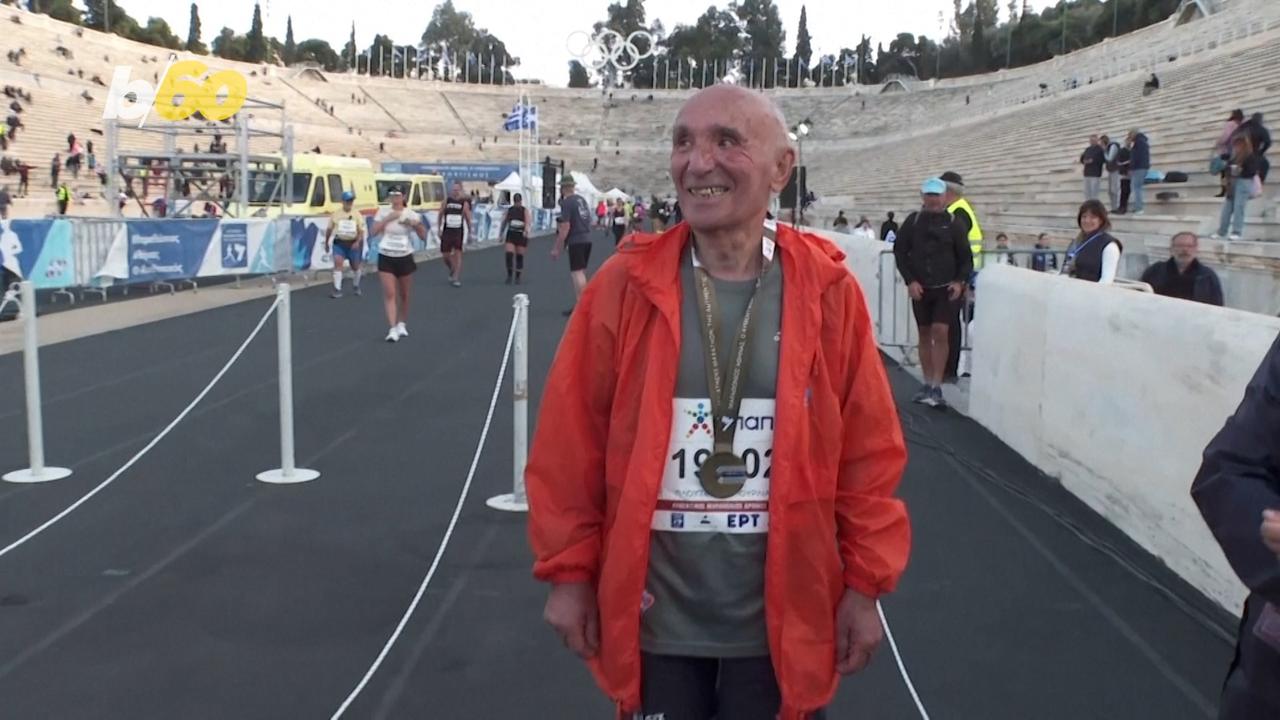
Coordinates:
[395,259]
[455,226]
[618,221]
[515,229]
[574,230]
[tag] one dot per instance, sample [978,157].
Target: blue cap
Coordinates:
[348,196]
[933,186]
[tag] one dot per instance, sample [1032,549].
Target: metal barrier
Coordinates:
[895,323]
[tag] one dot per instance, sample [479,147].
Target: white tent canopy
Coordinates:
[616,194]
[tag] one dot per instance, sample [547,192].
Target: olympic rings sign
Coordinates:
[609,47]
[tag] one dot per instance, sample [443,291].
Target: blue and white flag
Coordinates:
[521,117]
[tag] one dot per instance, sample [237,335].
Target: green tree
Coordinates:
[230,46]
[158,33]
[349,50]
[447,36]
[578,75]
[804,50]
[624,19]
[706,47]
[256,50]
[107,16]
[193,33]
[320,52]
[63,10]
[764,39]
[290,47]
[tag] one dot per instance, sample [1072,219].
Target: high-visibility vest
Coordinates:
[975,230]
[64,193]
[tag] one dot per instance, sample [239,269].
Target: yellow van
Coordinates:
[318,184]
[424,193]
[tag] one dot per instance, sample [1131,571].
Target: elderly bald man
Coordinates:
[711,492]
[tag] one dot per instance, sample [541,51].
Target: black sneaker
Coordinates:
[568,312]
[936,400]
[335,294]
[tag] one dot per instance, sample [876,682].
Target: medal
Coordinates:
[723,475]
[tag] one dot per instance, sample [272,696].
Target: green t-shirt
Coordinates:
[705,588]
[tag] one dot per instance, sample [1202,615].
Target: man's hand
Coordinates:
[955,290]
[858,632]
[571,610]
[1271,530]
[915,290]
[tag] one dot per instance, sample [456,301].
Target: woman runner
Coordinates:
[515,228]
[618,221]
[395,259]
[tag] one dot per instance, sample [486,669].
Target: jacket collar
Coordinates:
[810,264]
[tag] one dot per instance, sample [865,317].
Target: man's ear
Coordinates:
[782,169]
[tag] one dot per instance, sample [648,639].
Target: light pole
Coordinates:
[797,135]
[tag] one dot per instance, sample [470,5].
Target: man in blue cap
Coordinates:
[933,256]
[344,239]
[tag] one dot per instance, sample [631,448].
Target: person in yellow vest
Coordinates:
[64,198]
[962,212]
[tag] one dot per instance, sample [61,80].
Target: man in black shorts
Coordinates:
[574,230]
[455,225]
[933,256]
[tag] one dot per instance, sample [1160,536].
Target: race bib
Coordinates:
[683,505]
[453,222]
[347,229]
[517,225]
[620,221]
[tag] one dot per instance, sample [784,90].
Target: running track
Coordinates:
[188,590]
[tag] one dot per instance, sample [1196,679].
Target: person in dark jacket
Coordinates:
[1182,275]
[1260,137]
[934,259]
[1139,164]
[887,227]
[1094,255]
[1238,492]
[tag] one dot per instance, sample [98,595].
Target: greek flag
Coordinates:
[521,117]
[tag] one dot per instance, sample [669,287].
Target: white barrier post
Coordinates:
[287,473]
[35,419]
[516,501]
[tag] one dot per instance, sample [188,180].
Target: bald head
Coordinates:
[729,153]
[756,107]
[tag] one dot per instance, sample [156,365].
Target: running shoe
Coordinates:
[393,335]
[402,330]
[357,291]
[937,401]
[921,395]
[337,294]
[456,283]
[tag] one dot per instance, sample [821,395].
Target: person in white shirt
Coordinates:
[396,265]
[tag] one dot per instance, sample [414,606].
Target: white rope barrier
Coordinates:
[155,441]
[902,668]
[448,533]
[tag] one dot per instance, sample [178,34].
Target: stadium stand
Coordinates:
[1015,141]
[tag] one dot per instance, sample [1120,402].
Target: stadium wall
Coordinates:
[1113,392]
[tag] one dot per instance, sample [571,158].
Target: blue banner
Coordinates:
[167,249]
[39,251]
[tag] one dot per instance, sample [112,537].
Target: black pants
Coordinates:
[1126,187]
[690,688]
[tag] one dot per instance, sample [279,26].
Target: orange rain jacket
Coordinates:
[605,422]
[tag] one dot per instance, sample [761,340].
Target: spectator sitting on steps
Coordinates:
[1043,261]
[1183,275]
